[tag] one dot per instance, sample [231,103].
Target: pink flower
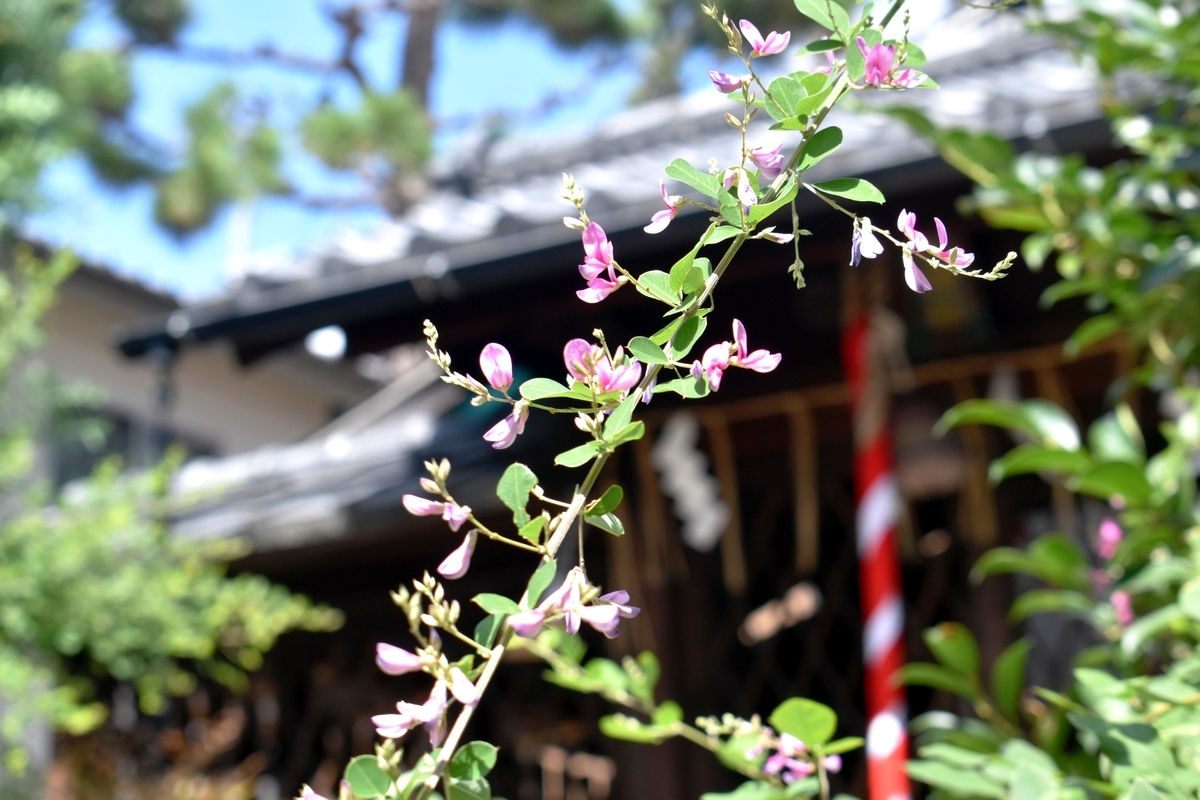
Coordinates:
[745,191]
[720,357]
[713,364]
[864,244]
[833,763]
[759,360]
[769,162]
[496,364]
[774,43]
[725,82]
[421,506]
[462,688]
[396,660]
[913,275]
[880,67]
[429,714]
[597,251]
[458,562]
[587,363]
[527,624]
[598,262]
[1124,606]
[306,793]
[456,515]
[662,219]
[1110,534]
[953,256]
[1100,580]
[506,431]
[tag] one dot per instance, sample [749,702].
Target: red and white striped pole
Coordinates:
[877,503]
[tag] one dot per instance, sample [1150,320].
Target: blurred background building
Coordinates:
[308,405]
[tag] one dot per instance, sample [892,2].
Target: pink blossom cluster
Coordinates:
[458,562]
[790,759]
[565,606]
[918,243]
[599,267]
[881,66]
[496,364]
[432,713]
[1108,541]
[720,357]
[590,365]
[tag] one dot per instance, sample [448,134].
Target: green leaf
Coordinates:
[536,389]
[620,726]
[851,189]
[664,335]
[822,143]
[731,209]
[469,789]
[914,56]
[668,713]
[953,645]
[787,193]
[999,561]
[495,603]
[608,501]
[657,284]
[681,268]
[488,627]
[689,333]
[1059,561]
[1149,627]
[646,351]
[722,233]
[954,780]
[1090,332]
[786,93]
[630,433]
[473,760]
[532,531]
[1189,598]
[1117,437]
[1008,676]
[843,745]
[366,778]
[1113,478]
[620,418]
[827,14]
[688,387]
[578,456]
[513,490]
[1048,423]
[921,674]
[1027,458]
[809,721]
[609,523]
[702,182]
[750,790]
[1041,601]
[820,46]
[697,275]
[542,577]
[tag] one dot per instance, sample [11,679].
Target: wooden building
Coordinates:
[768,608]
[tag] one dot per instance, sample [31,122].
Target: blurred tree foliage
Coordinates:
[58,99]
[92,588]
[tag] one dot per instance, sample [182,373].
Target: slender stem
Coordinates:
[580,498]
[896,6]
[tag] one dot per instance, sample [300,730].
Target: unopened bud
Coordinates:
[430,486]
[574,224]
[733,121]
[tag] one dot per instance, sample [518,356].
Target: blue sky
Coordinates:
[478,69]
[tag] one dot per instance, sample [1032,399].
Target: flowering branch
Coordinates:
[604,387]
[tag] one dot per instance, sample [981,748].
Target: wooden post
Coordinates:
[803,456]
[733,559]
